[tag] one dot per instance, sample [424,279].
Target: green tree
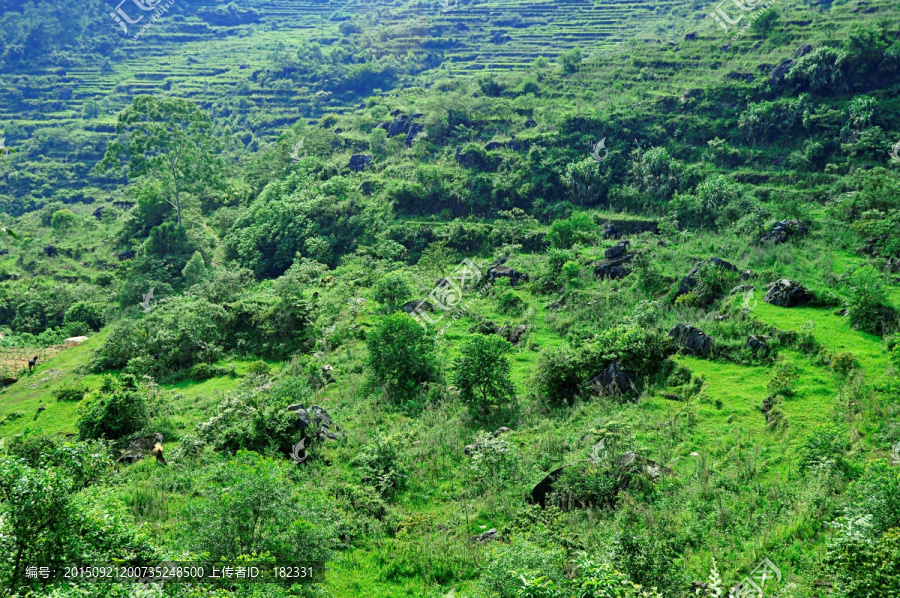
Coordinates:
[401,357]
[115,410]
[63,221]
[86,312]
[195,270]
[482,372]
[249,506]
[391,290]
[169,139]
[867,299]
[570,61]
[580,228]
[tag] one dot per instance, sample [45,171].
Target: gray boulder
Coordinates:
[512,274]
[614,381]
[781,231]
[515,335]
[757,345]
[359,162]
[613,269]
[691,339]
[412,306]
[787,293]
[781,71]
[617,250]
[317,415]
[690,281]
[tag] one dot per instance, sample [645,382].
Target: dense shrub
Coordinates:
[117,409]
[580,228]
[70,391]
[401,357]
[481,372]
[249,505]
[86,312]
[384,465]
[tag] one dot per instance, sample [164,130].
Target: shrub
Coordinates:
[255,419]
[783,379]
[481,372]
[580,228]
[867,299]
[491,462]
[392,291]
[843,362]
[70,391]
[85,312]
[117,409]
[195,270]
[592,580]
[248,505]
[383,464]
[507,562]
[401,357]
[258,368]
[826,446]
[63,220]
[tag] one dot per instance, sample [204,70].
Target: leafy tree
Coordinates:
[115,410]
[867,299]
[195,270]
[580,228]
[570,61]
[63,221]
[482,372]
[401,357]
[169,139]
[249,506]
[391,290]
[592,580]
[86,312]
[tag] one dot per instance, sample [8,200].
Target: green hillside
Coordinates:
[495,299]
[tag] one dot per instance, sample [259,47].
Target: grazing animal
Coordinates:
[38,412]
[32,362]
[158,453]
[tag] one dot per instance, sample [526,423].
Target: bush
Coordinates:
[868,298]
[70,391]
[258,368]
[383,464]
[249,506]
[783,379]
[117,409]
[580,228]
[505,564]
[481,372]
[401,357]
[392,291]
[85,312]
[826,447]
[255,419]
